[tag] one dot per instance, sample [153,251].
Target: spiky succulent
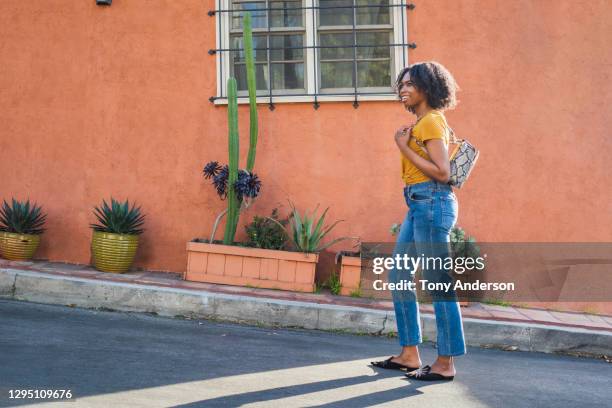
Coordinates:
[308,230]
[220,181]
[211,169]
[247,185]
[119,218]
[22,218]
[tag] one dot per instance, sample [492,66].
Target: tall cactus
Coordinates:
[250,66]
[234,202]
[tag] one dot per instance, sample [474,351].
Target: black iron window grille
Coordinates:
[313,48]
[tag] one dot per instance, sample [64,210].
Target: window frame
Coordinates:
[399,58]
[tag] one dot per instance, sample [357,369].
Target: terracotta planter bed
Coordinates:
[350,274]
[263,268]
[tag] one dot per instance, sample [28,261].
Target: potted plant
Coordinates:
[350,264]
[115,238]
[255,266]
[20,230]
[350,272]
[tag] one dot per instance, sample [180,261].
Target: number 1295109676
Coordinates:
[40,394]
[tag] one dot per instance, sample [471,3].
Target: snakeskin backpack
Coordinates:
[462,155]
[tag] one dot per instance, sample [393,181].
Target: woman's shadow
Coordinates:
[365,400]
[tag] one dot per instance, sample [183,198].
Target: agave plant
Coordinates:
[119,218]
[307,231]
[21,218]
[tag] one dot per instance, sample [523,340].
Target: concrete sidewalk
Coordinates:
[167,294]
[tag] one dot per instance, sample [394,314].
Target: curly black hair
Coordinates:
[434,80]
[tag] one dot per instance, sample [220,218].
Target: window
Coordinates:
[313,50]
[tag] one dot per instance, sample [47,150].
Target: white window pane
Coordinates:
[287,76]
[258,16]
[336,39]
[286,17]
[285,41]
[381,39]
[373,15]
[373,73]
[337,72]
[337,75]
[335,16]
[261,76]
[259,41]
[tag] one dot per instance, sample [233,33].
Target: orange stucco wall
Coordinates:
[98,101]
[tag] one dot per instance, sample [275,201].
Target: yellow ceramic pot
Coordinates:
[18,247]
[113,252]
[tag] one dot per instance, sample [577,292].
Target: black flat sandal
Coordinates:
[425,374]
[392,365]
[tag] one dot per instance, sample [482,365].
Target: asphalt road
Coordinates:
[114,359]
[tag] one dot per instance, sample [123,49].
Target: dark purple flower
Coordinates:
[220,181]
[211,169]
[248,184]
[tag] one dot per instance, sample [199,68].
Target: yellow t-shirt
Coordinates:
[431,126]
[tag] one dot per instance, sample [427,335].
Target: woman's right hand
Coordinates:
[403,134]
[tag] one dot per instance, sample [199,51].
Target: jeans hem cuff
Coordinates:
[403,344]
[459,353]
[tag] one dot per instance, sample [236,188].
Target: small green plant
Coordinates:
[333,283]
[21,218]
[356,293]
[463,245]
[119,218]
[395,228]
[308,231]
[263,233]
[496,302]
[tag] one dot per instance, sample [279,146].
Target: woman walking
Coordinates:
[426,90]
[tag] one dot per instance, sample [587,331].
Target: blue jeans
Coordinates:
[426,231]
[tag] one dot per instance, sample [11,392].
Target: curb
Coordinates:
[176,302]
